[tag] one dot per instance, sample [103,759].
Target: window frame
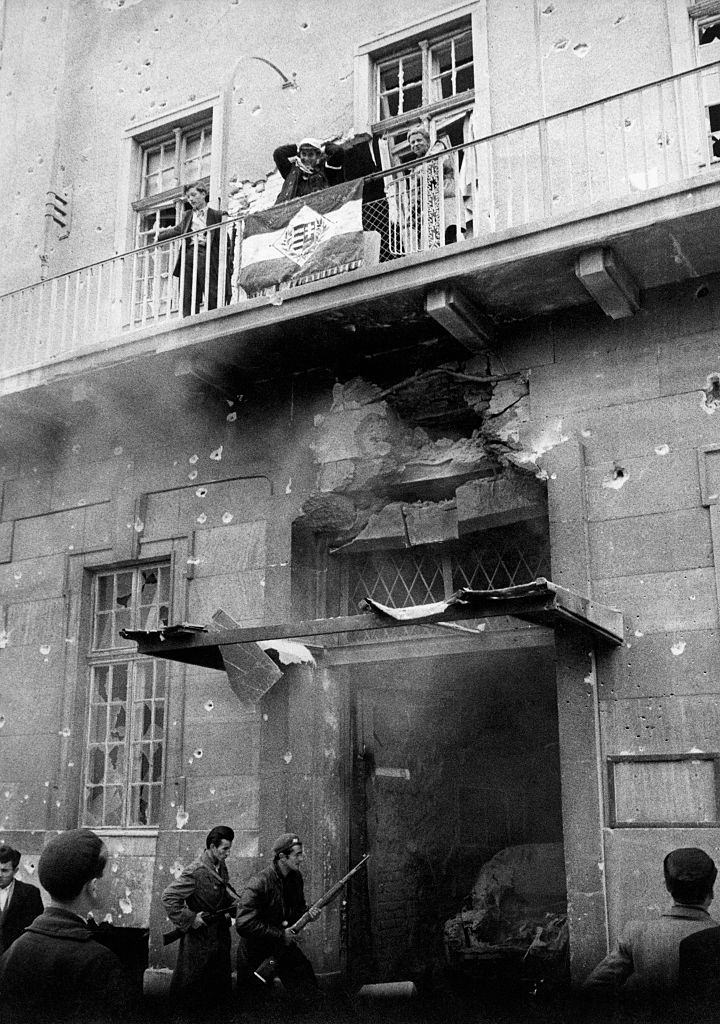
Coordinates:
[124,657]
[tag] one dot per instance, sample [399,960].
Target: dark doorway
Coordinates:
[456,758]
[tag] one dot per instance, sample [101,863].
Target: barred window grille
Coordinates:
[422,575]
[125,746]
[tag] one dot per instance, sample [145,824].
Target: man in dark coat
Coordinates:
[308,167]
[202,976]
[56,971]
[194,251]
[271,902]
[20,903]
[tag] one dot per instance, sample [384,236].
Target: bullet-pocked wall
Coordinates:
[275,72]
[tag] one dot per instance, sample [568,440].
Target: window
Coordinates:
[430,79]
[421,575]
[706,27]
[126,721]
[169,161]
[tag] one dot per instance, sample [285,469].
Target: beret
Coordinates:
[689,864]
[69,860]
[285,842]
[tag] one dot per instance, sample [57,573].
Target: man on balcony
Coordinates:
[308,167]
[199,252]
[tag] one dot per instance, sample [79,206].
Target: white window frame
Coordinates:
[121,658]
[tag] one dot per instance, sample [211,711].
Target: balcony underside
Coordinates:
[661,239]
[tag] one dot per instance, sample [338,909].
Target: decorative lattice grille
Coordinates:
[422,575]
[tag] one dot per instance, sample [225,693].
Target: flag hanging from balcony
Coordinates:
[309,238]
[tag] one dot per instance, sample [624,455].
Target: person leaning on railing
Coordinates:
[427,193]
[307,167]
[199,216]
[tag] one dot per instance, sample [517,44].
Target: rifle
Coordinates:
[265,972]
[207,916]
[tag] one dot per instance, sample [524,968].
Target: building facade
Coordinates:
[533,394]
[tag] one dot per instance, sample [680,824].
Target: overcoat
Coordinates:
[203,963]
[25,905]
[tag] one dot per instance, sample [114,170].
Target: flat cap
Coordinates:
[69,861]
[689,864]
[285,842]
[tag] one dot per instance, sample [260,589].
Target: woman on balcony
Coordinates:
[428,189]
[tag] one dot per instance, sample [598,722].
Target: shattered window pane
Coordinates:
[126,715]
[709,32]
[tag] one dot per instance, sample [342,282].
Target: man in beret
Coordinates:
[56,970]
[195,902]
[645,961]
[271,902]
[20,903]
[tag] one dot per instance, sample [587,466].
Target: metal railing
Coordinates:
[626,145]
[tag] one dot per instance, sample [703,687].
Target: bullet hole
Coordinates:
[181,818]
[662,449]
[118,450]
[581,50]
[227,517]
[202,518]
[264,718]
[712,392]
[138,525]
[201,492]
[548,10]
[147,63]
[619,20]
[64,732]
[304,26]
[231,417]
[45,649]
[198,753]
[193,561]
[617,479]
[125,905]
[561,44]
[288,489]
[193,475]
[209,705]
[287,757]
[256,110]
[193,459]
[702,291]
[216,456]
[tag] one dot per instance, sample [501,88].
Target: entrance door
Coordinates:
[456,759]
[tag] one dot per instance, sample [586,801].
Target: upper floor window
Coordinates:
[173,158]
[706,28]
[125,748]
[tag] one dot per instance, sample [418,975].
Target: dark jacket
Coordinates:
[330,171]
[700,967]
[56,971]
[204,955]
[270,903]
[25,905]
[183,228]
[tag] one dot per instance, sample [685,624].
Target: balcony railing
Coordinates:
[593,156]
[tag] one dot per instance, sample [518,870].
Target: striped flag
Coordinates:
[304,240]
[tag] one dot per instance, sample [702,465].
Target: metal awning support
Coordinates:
[241,651]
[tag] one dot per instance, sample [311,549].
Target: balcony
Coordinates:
[511,223]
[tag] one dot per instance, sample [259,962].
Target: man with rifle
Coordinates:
[200,903]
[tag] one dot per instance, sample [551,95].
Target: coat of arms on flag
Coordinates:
[306,239]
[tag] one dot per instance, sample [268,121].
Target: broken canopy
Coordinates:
[312,237]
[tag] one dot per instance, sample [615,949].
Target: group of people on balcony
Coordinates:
[417,211]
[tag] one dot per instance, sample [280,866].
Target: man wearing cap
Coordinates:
[646,959]
[308,167]
[20,903]
[195,902]
[271,902]
[56,970]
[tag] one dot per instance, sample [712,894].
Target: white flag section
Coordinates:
[306,239]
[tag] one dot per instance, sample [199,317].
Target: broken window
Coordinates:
[429,79]
[422,575]
[169,161]
[707,47]
[127,707]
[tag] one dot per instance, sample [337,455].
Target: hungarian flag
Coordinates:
[304,240]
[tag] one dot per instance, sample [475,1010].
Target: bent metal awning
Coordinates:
[252,655]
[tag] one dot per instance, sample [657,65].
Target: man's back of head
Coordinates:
[690,876]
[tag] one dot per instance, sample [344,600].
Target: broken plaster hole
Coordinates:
[197,753]
[192,475]
[217,454]
[227,517]
[561,44]
[2,721]
[201,492]
[182,817]
[678,648]
[193,459]
[125,905]
[231,417]
[209,705]
[581,50]
[202,518]
[702,291]
[712,392]
[617,478]
[662,449]
[45,649]
[287,757]
[548,10]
